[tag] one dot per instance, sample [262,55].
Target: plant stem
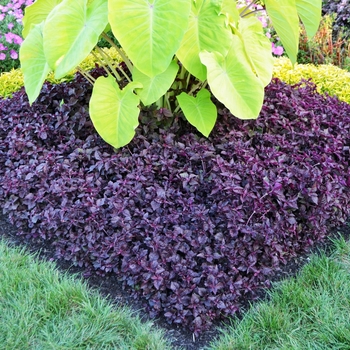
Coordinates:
[160,102]
[177,109]
[119,67]
[249,13]
[100,61]
[247,8]
[86,75]
[121,53]
[201,85]
[166,102]
[110,65]
[182,77]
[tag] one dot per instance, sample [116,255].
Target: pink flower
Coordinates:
[10,26]
[13,54]
[9,37]
[2,47]
[268,35]
[2,56]
[2,16]
[263,21]
[19,15]
[17,39]
[277,50]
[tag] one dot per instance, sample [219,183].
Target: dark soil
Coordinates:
[110,287]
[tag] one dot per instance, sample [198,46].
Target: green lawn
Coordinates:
[311,311]
[41,308]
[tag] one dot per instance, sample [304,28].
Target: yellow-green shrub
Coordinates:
[12,81]
[328,78]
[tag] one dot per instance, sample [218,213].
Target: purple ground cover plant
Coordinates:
[193,226]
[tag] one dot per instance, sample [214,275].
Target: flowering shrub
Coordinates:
[194,226]
[276,45]
[11,13]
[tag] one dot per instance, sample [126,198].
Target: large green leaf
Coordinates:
[200,111]
[71,31]
[284,17]
[310,14]
[229,7]
[155,87]
[33,62]
[114,112]
[232,81]
[36,13]
[150,31]
[206,31]
[257,47]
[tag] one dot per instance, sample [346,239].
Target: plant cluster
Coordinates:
[213,49]
[325,47]
[11,13]
[307,312]
[341,10]
[193,226]
[10,82]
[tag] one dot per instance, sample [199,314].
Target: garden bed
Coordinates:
[193,227]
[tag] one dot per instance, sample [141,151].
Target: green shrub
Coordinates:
[328,78]
[13,80]
[10,82]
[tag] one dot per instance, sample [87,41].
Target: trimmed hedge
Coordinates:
[13,81]
[329,79]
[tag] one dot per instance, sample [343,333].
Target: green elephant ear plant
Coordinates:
[178,53]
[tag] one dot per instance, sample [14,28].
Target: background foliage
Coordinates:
[11,13]
[341,10]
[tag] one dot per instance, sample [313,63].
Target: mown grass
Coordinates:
[42,308]
[311,311]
